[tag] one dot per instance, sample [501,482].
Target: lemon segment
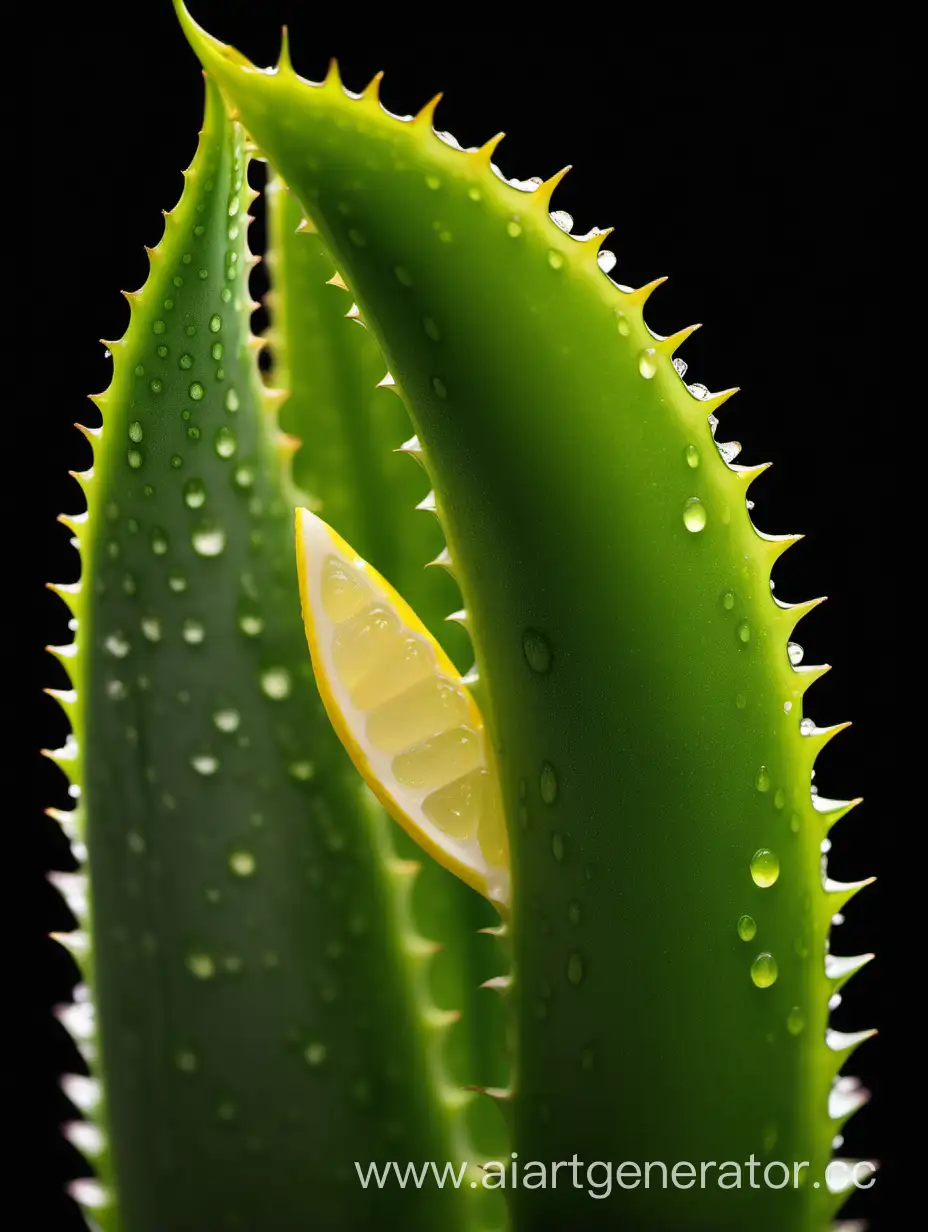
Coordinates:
[400,708]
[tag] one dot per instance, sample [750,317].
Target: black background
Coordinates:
[758,170]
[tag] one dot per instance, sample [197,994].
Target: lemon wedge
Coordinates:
[400,708]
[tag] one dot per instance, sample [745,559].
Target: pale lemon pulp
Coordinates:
[402,711]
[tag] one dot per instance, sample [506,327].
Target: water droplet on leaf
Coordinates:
[764,970]
[694,515]
[765,868]
[537,650]
[548,783]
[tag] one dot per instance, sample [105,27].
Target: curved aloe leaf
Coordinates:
[259,1015]
[353,466]
[647,717]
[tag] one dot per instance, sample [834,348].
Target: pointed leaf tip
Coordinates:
[284,63]
[487,150]
[425,115]
[371,91]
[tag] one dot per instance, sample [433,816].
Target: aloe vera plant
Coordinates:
[668,922]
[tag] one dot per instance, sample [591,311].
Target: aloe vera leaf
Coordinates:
[256,1016]
[634,666]
[354,466]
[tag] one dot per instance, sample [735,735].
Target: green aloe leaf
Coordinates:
[669,913]
[256,1015]
[354,466]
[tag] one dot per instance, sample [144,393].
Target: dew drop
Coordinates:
[225,295]
[232,402]
[225,443]
[537,650]
[135,431]
[194,493]
[762,780]
[196,391]
[431,329]
[302,771]
[647,363]
[190,331]
[563,220]
[201,965]
[765,868]
[177,461]
[227,719]
[795,1021]
[691,453]
[441,389]
[622,323]
[764,970]
[158,327]
[794,652]
[806,727]
[193,632]
[728,600]
[151,629]
[217,350]
[548,783]
[557,846]
[740,701]
[575,969]
[159,542]
[156,385]
[205,764]
[185,362]
[555,259]
[117,645]
[315,1053]
[606,260]
[787,707]
[178,583]
[794,822]
[134,458]
[186,1061]
[242,863]
[208,540]
[244,476]
[276,683]
[694,515]
[403,275]
[744,632]
[251,624]
[513,229]
[747,928]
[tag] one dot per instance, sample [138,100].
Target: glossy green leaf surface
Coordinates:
[634,670]
[258,1011]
